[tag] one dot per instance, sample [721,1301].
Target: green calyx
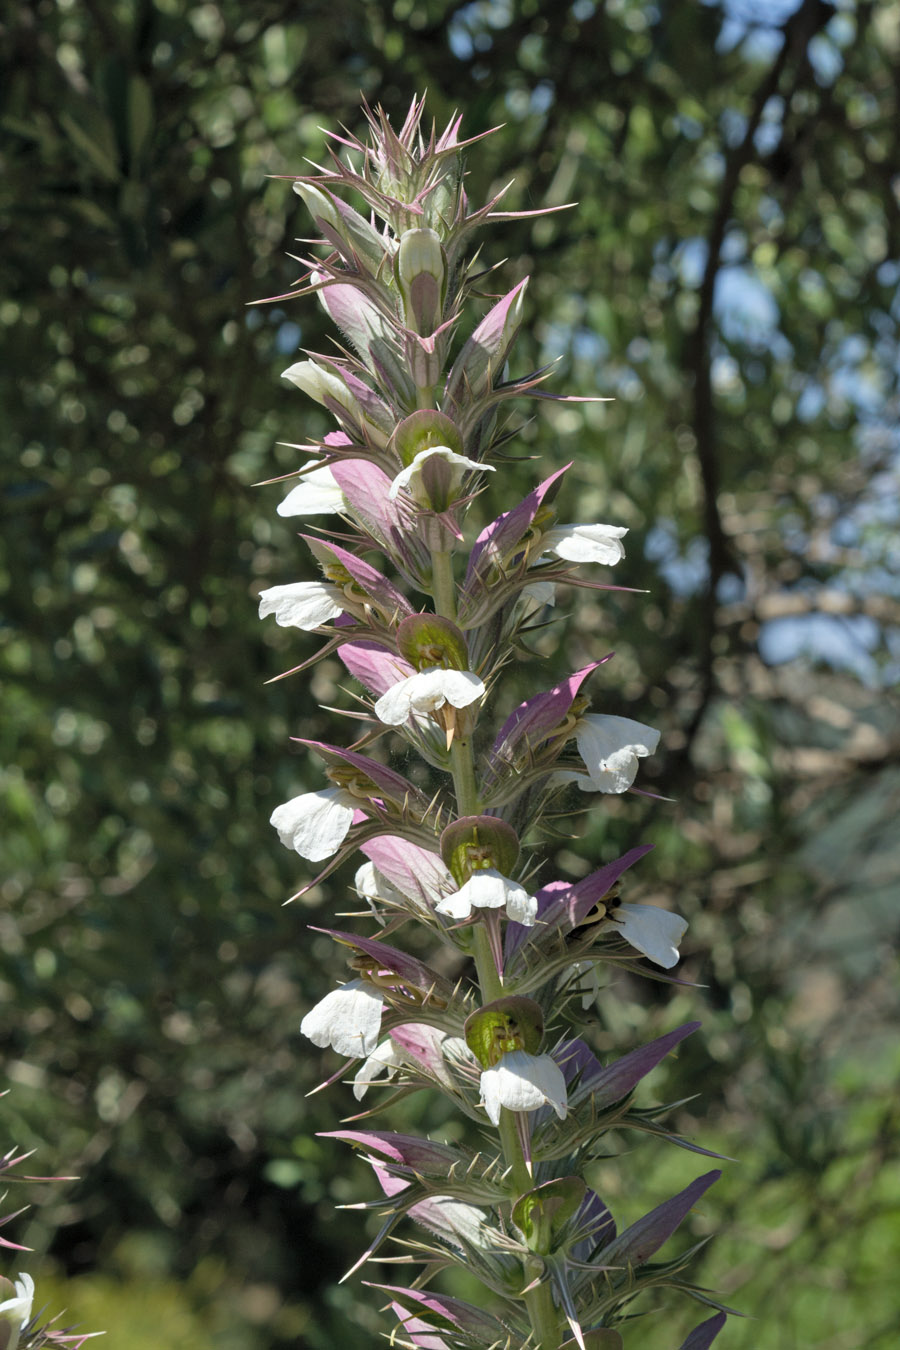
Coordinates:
[425,430]
[503,1026]
[473,843]
[427,640]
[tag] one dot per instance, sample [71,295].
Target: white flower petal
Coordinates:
[456,906]
[490,889]
[425,692]
[523,1082]
[455,1220]
[348,1019]
[610,748]
[365,883]
[573,776]
[457,1053]
[586,543]
[538,593]
[394,706]
[370,885]
[407,477]
[315,824]
[491,1094]
[654,932]
[486,889]
[17,1310]
[316,381]
[386,1059]
[302,604]
[520,906]
[317,494]
[433,687]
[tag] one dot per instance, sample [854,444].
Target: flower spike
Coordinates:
[428,614]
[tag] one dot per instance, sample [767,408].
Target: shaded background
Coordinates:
[730,276]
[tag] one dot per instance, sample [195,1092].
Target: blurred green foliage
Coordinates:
[730,277]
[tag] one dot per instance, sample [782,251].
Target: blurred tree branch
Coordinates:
[797,31]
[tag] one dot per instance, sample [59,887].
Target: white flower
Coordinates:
[427,691]
[411,476]
[490,889]
[371,887]
[315,824]
[523,1082]
[302,604]
[456,1220]
[610,748]
[655,932]
[326,386]
[458,1055]
[386,1059]
[348,1019]
[320,383]
[16,1311]
[537,594]
[586,543]
[317,494]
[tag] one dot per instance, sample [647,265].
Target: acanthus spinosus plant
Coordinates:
[419,404]
[20,1327]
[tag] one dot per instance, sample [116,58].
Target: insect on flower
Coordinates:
[603,908]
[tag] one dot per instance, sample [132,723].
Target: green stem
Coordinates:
[512,1150]
[539,1301]
[462,764]
[443,587]
[463,769]
[544,1316]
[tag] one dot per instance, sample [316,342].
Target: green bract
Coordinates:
[502,1026]
[425,430]
[475,842]
[428,640]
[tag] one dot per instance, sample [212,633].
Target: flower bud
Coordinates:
[316,382]
[335,219]
[422,277]
[371,334]
[347,394]
[478,366]
[442,202]
[424,359]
